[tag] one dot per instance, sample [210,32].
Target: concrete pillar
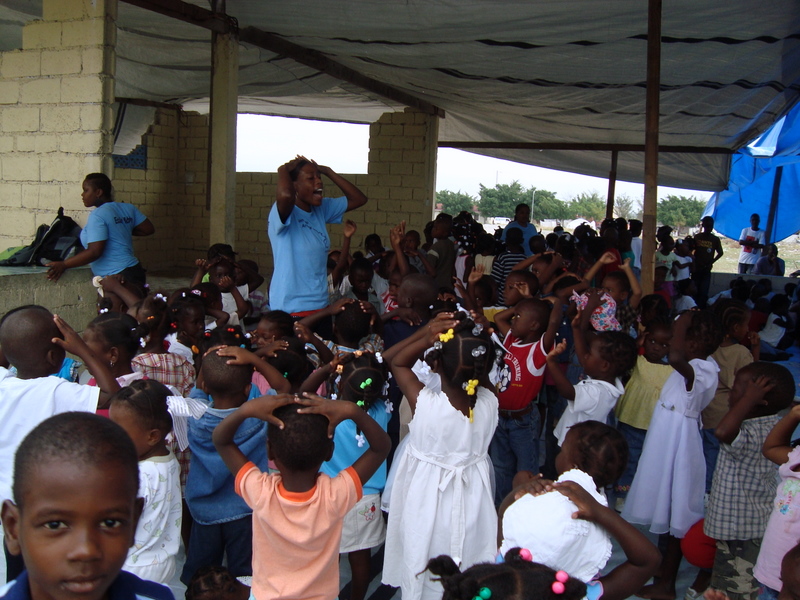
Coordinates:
[402,168]
[222,146]
[55,114]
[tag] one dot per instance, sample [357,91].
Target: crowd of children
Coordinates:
[482,410]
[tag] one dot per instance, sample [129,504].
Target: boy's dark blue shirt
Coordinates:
[126,586]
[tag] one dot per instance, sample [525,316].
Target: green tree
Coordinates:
[626,207]
[588,206]
[547,206]
[501,200]
[454,202]
[680,211]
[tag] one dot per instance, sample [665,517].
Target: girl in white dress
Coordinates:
[667,490]
[442,500]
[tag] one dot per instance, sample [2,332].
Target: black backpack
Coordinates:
[52,243]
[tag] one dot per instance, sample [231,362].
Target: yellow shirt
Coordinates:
[635,407]
[730,359]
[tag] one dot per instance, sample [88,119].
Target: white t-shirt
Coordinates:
[747,255]
[594,399]
[229,303]
[772,333]
[685,272]
[24,403]
[158,533]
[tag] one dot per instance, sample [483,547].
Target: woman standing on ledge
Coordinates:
[299,239]
[107,236]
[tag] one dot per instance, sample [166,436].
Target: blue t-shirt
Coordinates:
[346,450]
[300,251]
[113,223]
[126,586]
[527,233]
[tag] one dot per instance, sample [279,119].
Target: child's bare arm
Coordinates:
[777,445]
[349,231]
[240,356]
[503,320]
[563,385]
[728,428]
[73,343]
[396,235]
[425,262]
[605,259]
[379,442]
[642,556]
[305,335]
[254,280]
[286,194]
[317,378]
[221,318]
[636,289]
[259,408]
[202,268]
[525,263]
[556,314]
[242,305]
[328,311]
[677,349]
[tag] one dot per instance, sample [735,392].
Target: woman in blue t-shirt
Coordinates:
[107,236]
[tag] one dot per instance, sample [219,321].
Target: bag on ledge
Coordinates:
[58,241]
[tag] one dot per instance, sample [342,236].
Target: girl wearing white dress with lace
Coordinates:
[442,500]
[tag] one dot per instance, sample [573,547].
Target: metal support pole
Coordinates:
[612,185]
[773,206]
[651,144]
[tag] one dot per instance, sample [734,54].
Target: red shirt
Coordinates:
[523,373]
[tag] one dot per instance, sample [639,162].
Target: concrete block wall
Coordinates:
[55,114]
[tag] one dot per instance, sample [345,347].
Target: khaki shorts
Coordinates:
[363,526]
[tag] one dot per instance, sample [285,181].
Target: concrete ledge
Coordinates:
[73,296]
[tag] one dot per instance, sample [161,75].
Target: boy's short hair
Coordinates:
[353,323]
[26,334]
[619,349]
[75,437]
[783,391]
[706,330]
[221,378]
[224,250]
[303,443]
[542,309]
[527,277]
[420,287]
[281,321]
[514,236]
[621,278]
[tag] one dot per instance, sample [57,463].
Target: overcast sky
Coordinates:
[264,143]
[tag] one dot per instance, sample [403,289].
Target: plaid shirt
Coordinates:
[627,316]
[169,369]
[744,485]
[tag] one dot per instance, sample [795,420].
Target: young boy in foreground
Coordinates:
[298,514]
[74,513]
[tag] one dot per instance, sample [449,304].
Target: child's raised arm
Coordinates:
[379,442]
[73,343]
[396,236]
[636,289]
[226,284]
[240,356]
[677,349]
[348,232]
[728,428]
[563,385]
[556,314]
[642,556]
[401,362]
[305,335]
[259,408]
[328,311]
[606,259]
[777,445]
[202,268]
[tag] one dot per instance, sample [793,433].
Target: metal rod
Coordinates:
[612,184]
[599,147]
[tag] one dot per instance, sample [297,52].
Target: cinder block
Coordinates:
[6,143]
[11,195]
[92,117]
[50,197]
[60,118]
[84,143]
[63,167]
[61,62]
[401,168]
[402,143]
[82,89]
[26,143]
[20,118]
[41,91]
[20,63]
[17,222]
[88,32]
[391,130]
[9,92]
[41,34]
[413,156]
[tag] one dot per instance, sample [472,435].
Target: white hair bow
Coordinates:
[181,409]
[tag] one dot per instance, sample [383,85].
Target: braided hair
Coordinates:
[516,578]
[118,330]
[467,357]
[362,378]
[147,399]
[601,451]
[731,313]
[155,314]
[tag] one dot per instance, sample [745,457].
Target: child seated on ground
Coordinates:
[292,559]
[745,482]
[605,357]
[529,327]
[211,297]
[81,472]
[593,456]
[34,342]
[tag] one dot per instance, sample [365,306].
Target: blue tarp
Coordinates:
[751,184]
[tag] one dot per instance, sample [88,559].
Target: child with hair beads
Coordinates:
[636,405]
[733,354]
[115,338]
[514,578]
[745,482]
[441,499]
[668,488]
[592,457]
[605,357]
[154,362]
[529,327]
[144,410]
[783,527]
[362,382]
[211,297]
[74,513]
[298,512]
[188,323]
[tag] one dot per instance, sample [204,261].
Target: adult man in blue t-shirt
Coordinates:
[522,220]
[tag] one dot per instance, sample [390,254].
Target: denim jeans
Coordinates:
[514,448]
[635,438]
[209,543]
